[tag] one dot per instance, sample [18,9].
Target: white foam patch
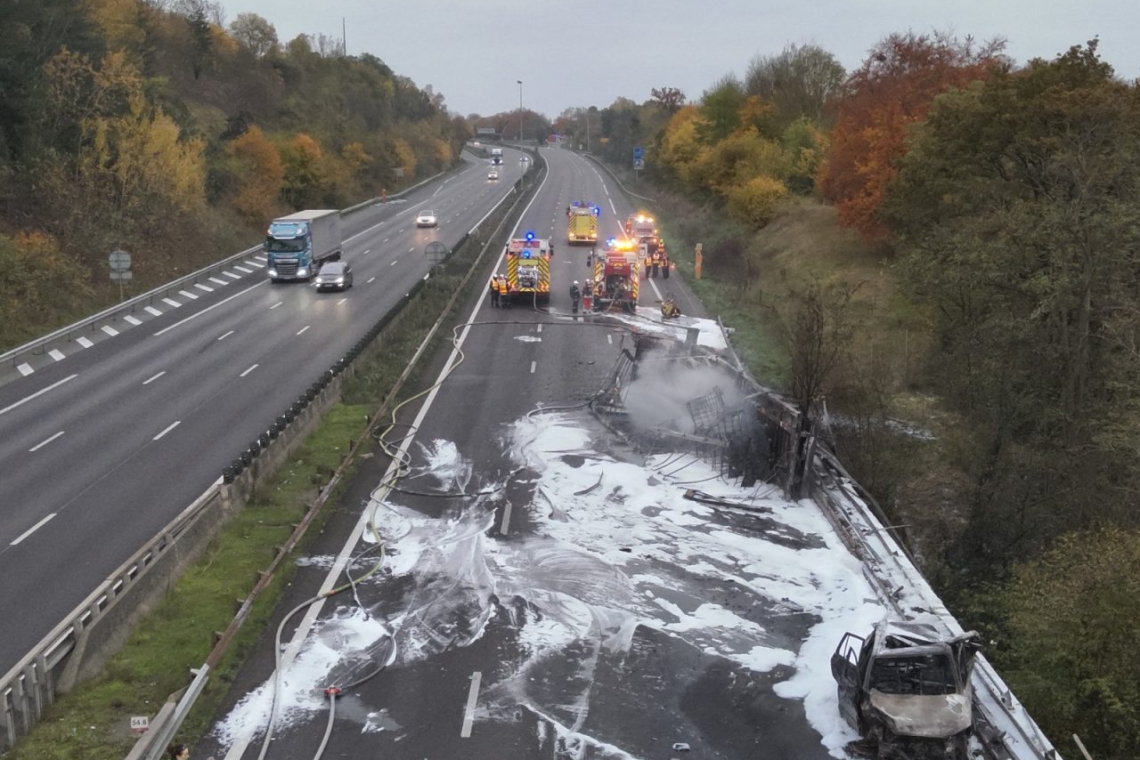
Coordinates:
[446,464]
[350,635]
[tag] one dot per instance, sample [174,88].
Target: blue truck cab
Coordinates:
[296,245]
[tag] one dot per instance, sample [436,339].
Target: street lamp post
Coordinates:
[520,110]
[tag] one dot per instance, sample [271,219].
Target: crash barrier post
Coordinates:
[82,642]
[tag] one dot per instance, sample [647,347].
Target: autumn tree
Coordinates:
[40,286]
[254,33]
[720,109]
[304,172]
[799,82]
[1018,214]
[669,98]
[890,92]
[260,174]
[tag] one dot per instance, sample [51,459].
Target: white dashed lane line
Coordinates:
[240,268]
[217,281]
[469,712]
[274,306]
[226,335]
[306,327]
[25,369]
[132,320]
[110,330]
[341,301]
[172,302]
[206,288]
[251,369]
[533,365]
[370,279]
[84,342]
[33,529]
[40,392]
[394,262]
[191,296]
[152,378]
[152,310]
[232,276]
[56,354]
[169,427]
[43,443]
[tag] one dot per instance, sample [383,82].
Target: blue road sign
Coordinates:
[637,153]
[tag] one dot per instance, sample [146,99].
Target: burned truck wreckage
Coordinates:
[908,688]
[673,389]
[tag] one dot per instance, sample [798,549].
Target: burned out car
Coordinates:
[906,689]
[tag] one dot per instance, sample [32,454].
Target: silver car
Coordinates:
[334,275]
[427,218]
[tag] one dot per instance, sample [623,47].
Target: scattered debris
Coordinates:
[701,497]
[680,747]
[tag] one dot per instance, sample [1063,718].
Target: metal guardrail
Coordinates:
[610,172]
[1007,731]
[33,682]
[147,299]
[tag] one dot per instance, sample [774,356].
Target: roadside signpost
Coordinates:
[120,262]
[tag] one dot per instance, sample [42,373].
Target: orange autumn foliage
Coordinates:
[892,90]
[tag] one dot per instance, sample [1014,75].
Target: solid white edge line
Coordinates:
[26,399]
[41,444]
[209,308]
[469,711]
[337,570]
[32,529]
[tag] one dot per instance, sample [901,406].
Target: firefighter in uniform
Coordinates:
[494,288]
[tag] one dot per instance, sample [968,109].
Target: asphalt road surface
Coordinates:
[113,435]
[524,610]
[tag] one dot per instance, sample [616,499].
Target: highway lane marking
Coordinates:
[240,268]
[206,288]
[172,302]
[610,338]
[84,342]
[394,262]
[132,320]
[338,303]
[152,378]
[110,330]
[238,747]
[306,327]
[251,369]
[191,296]
[225,335]
[56,354]
[41,444]
[33,529]
[506,519]
[209,308]
[260,258]
[257,263]
[532,367]
[469,711]
[152,310]
[437,191]
[221,282]
[412,250]
[233,276]
[613,206]
[539,328]
[370,279]
[274,306]
[386,240]
[169,427]
[25,369]
[367,250]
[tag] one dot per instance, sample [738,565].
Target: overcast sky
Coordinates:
[583,53]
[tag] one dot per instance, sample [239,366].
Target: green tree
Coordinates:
[801,82]
[720,110]
[255,34]
[1072,642]
[1018,211]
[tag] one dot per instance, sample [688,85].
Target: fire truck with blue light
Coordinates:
[617,277]
[582,223]
[642,229]
[528,269]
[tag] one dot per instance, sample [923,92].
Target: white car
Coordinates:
[493,174]
[427,218]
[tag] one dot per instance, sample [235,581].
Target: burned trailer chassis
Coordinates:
[757,440]
[881,744]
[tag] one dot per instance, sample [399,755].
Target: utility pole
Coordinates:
[343,38]
[520,110]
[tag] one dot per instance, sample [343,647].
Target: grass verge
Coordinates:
[92,722]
